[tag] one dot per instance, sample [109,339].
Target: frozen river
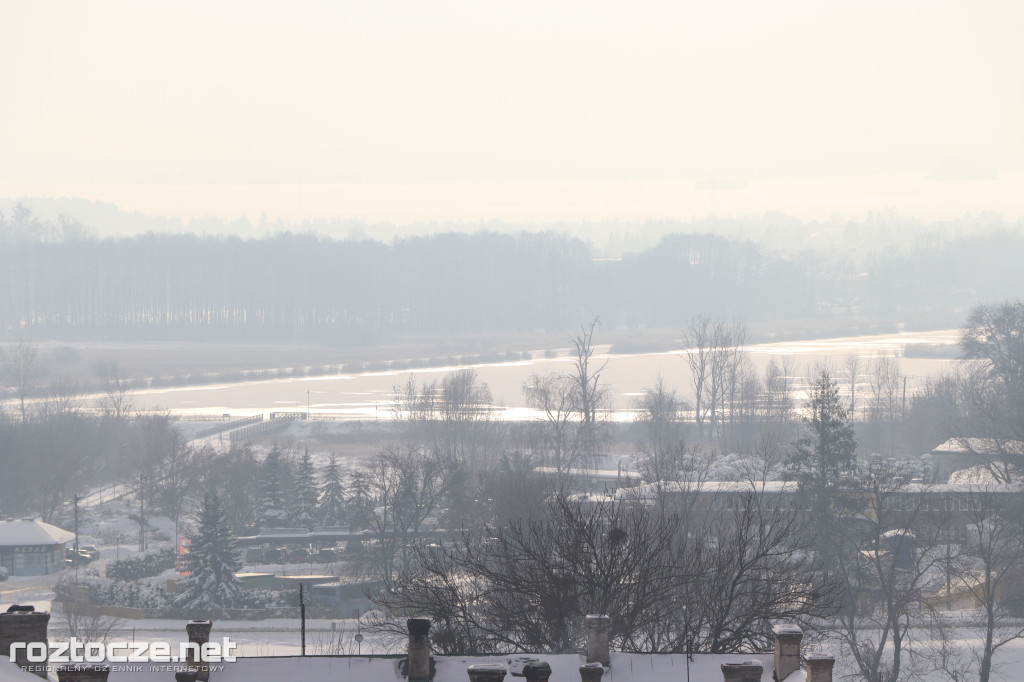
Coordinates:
[368,395]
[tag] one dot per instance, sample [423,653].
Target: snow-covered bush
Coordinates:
[107,592]
[142,566]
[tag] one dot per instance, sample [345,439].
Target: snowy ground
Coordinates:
[281,637]
[107,525]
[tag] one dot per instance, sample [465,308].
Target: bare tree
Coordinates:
[573,406]
[853,372]
[994,337]
[993,556]
[736,363]
[553,395]
[992,387]
[889,565]
[398,490]
[23,371]
[753,566]
[465,411]
[777,401]
[414,404]
[84,622]
[714,353]
[697,351]
[661,449]
[886,408]
[63,399]
[527,585]
[591,397]
[117,387]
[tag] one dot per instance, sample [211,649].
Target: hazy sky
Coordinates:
[516,110]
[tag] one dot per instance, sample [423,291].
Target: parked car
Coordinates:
[299,556]
[3,573]
[79,559]
[92,550]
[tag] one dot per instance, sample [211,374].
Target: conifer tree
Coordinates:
[826,449]
[821,457]
[273,510]
[331,508]
[304,496]
[213,560]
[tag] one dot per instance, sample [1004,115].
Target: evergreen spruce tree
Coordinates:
[213,560]
[304,497]
[825,451]
[821,457]
[331,509]
[273,511]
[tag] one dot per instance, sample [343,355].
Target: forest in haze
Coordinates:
[59,281]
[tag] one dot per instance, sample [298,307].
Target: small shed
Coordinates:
[32,546]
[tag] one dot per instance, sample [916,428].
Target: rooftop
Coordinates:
[564,668]
[980,446]
[31,532]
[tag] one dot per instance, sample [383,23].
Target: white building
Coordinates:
[32,547]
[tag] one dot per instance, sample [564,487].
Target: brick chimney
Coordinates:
[597,638]
[537,671]
[83,673]
[25,625]
[591,672]
[748,671]
[419,649]
[787,649]
[819,667]
[199,634]
[486,672]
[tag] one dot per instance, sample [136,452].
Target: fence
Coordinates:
[263,428]
[225,426]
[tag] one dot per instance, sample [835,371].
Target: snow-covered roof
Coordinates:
[964,488]
[564,668]
[584,472]
[12,673]
[980,446]
[31,532]
[650,490]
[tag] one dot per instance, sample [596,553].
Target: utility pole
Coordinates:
[307,404]
[302,617]
[76,529]
[903,411]
[688,641]
[76,559]
[142,513]
[949,559]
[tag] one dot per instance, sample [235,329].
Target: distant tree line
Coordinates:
[56,281]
